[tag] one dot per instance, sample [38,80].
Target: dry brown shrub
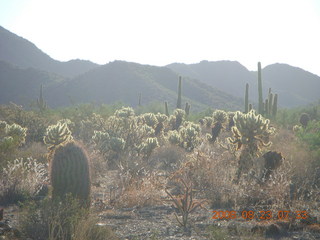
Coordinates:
[90,228]
[142,191]
[167,158]
[35,149]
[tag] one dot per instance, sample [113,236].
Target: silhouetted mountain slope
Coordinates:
[294,86]
[22,86]
[19,51]
[123,81]
[227,76]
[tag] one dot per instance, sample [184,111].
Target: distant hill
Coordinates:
[295,86]
[20,52]
[22,86]
[220,84]
[124,81]
[228,76]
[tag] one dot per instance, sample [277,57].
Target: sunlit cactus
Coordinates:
[149,131]
[190,136]
[250,133]
[150,119]
[174,137]
[71,125]
[70,174]
[230,120]
[177,118]
[125,112]
[219,119]
[56,135]
[101,140]
[13,133]
[207,122]
[297,128]
[148,146]
[117,144]
[252,130]
[17,132]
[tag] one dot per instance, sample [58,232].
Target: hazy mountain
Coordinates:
[123,81]
[294,86]
[20,52]
[22,86]
[228,76]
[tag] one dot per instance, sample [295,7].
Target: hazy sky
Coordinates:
[166,31]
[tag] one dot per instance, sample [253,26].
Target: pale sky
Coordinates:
[166,31]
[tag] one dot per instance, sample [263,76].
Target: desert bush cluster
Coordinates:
[222,160]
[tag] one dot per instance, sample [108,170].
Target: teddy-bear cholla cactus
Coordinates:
[57,134]
[11,135]
[150,119]
[105,143]
[161,118]
[70,174]
[148,146]
[219,119]
[177,118]
[124,112]
[251,132]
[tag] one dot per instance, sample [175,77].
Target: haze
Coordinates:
[163,32]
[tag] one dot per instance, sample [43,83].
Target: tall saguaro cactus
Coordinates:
[246,99]
[179,104]
[166,108]
[275,105]
[42,105]
[260,109]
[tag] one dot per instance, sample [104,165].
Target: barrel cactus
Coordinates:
[304,119]
[70,174]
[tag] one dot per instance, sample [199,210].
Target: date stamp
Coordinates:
[259,215]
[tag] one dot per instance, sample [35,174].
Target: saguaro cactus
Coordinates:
[275,105]
[179,104]
[69,172]
[42,105]
[187,109]
[166,108]
[246,99]
[260,109]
